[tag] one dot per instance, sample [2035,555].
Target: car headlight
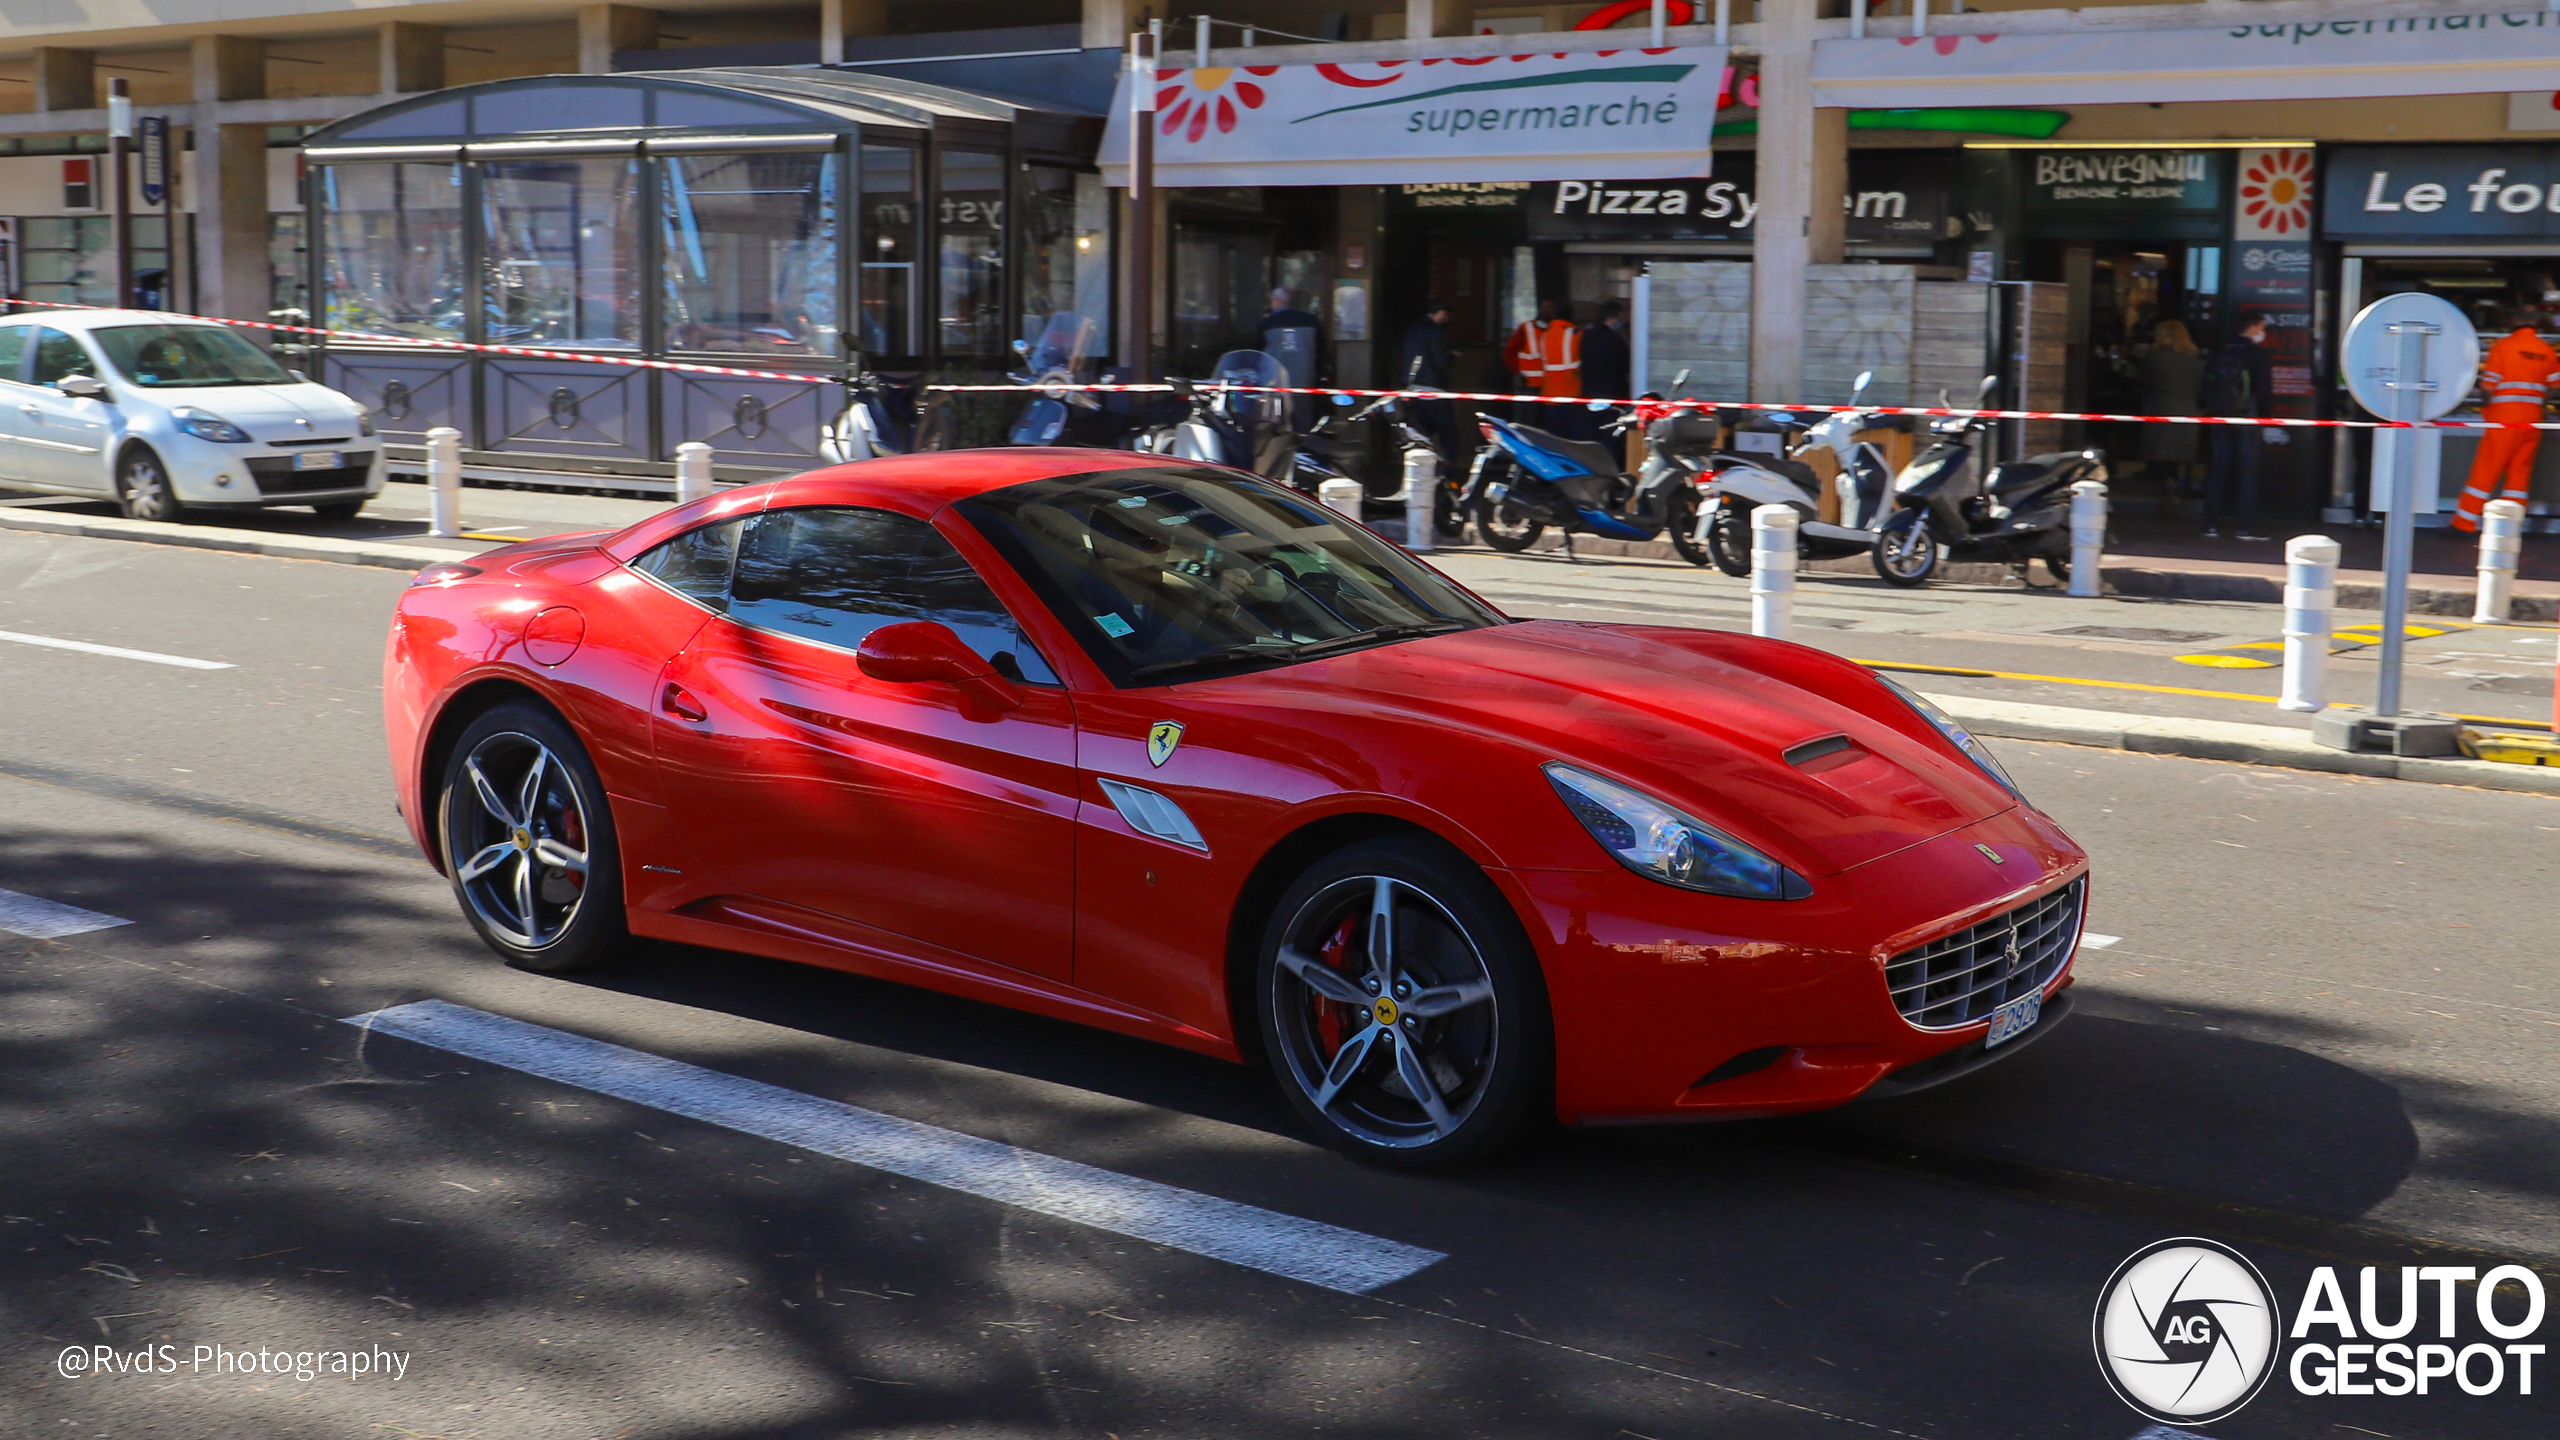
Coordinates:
[1660,843]
[1956,734]
[205,425]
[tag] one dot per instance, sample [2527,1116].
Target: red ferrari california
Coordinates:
[1173,751]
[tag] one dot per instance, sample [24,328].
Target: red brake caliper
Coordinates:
[1329,1014]
[573,832]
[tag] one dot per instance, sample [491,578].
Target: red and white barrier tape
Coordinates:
[1646,408]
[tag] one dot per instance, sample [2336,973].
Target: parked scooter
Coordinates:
[1744,483]
[1245,428]
[1527,479]
[868,427]
[1945,508]
[1053,358]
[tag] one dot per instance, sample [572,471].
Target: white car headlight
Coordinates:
[1660,843]
[1956,734]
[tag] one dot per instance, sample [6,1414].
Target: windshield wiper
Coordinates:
[1241,655]
[1382,635]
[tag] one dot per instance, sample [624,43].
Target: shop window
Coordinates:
[562,244]
[1066,258]
[888,241]
[70,259]
[391,249]
[969,228]
[750,245]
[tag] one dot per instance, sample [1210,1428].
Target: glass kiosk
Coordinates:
[799,221]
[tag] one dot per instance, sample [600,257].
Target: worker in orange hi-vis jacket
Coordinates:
[2516,379]
[1546,353]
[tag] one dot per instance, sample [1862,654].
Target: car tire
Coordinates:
[143,488]
[528,841]
[1905,553]
[344,510]
[1461,1007]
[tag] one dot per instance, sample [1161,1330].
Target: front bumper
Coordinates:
[247,477]
[1776,1006]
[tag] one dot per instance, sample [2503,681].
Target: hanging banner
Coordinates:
[2467,51]
[1606,114]
[155,159]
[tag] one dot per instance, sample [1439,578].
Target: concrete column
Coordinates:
[231,221]
[1423,18]
[842,20]
[412,57]
[66,79]
[228,67]
[1803,179]
[603,29]
[1107,24]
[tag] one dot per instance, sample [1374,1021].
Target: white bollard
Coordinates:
[1773,570]
[444,483]
[2088,536]
[1342,497]
[1421,487]
[2310,593]
[2501,537]
[693,471]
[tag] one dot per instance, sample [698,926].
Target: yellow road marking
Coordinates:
[1965,674]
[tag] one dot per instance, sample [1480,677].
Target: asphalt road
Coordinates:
[2326,1036]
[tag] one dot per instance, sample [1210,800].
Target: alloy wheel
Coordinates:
[523,834]
[1386,1010]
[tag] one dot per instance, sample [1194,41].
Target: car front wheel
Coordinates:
[143,490]
[529,842]
[1402,1009]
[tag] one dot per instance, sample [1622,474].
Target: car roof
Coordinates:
[915,485]
[101,319]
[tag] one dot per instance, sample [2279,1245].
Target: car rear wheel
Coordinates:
[1506,525]
[1729,539]
[143,490]
[1402,1009]
[529,843]
[1906,554]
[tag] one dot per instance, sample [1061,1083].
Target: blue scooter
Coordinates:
[1526,479]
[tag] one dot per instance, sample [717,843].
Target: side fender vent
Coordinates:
[1152,815]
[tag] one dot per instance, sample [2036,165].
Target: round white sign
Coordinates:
[2371,355]
[2186,1331]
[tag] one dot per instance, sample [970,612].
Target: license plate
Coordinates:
[2014,1019]
[317,460]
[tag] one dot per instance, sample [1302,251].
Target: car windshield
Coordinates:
[1168,573]
[185,356]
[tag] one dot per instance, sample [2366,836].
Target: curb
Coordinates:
[2229,741]
[247,542]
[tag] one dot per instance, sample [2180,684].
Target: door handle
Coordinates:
[676,702]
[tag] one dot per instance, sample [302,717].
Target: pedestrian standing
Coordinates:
[1426,366]
[1607,359]
[2515,380]
[2239,380]
[1546,353]
[2171,372]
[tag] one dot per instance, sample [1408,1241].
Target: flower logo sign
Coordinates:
[1193,100]
[2275,194]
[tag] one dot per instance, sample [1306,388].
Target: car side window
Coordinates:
[696,563]
[13,349]
[834,574]
[57,355]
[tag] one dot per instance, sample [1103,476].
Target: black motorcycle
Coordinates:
[1945,508]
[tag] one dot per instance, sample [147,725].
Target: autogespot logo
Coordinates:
[2186,1331]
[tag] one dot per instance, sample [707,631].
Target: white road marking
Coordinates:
[49,919]
[2092,941]
[1239,1234]
[117,651]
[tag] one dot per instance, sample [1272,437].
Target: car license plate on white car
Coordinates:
[317,460]
[2014,1019]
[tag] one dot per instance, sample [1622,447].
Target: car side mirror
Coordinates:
[83,387]
[924,652]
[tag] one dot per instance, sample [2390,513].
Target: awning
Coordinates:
[1597,115]
[2474,51]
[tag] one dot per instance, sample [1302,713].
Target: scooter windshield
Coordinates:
[1064,341]
[1251,367]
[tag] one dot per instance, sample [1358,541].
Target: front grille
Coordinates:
[276,476]
[1960,979]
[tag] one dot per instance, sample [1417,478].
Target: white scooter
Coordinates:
[1742,483]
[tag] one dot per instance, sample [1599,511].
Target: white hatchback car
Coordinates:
[167,414]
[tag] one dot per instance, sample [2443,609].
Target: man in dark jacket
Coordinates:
[1426,365]
[1606,357]
[2239,379]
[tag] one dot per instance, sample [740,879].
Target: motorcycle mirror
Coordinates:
[1680,378]
[1860,384]
[1989,384]
[1021,347]
[1180,386]
[1943,402]
[1596,405]
[1339,399]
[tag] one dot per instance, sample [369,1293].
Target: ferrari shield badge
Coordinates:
[1163,738]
